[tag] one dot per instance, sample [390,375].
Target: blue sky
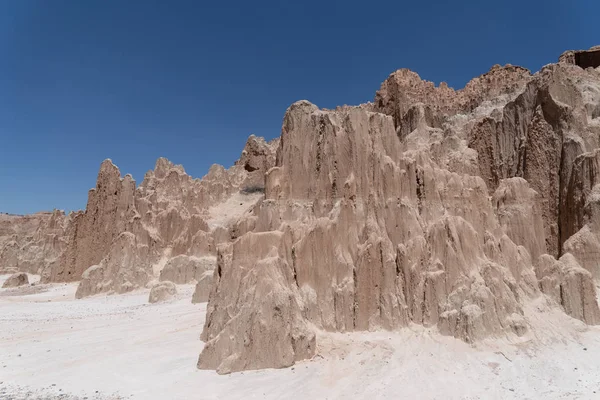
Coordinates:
[84,80]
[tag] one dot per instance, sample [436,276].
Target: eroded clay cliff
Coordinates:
[32,243]
[431,206]
[165,229]
[450,209]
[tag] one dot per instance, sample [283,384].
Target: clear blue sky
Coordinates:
[84,80]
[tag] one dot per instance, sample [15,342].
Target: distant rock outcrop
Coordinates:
[32,243]
[109,210]
[166,228]
[404,88]
[15,280]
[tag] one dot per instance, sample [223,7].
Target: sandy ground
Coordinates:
[120,347]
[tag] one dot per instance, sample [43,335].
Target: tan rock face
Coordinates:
[15,280]
[128,265]
[570,285]
[526,141]
[404,88]
[584,203]
[203,288]
[375,222]
[363,236]
[263,327]
[537,128]
[257,157]
[517,208]
[187,269]
[31,243]
[109,210]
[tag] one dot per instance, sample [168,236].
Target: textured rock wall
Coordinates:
[187,269]
[540,125]
[404,88]
[109,210]
[365,237]
[128,237]
[31,243]
[375,222]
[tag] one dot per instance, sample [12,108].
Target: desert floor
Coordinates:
[120,347]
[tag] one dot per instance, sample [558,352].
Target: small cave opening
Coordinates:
[586,59]
[249,168]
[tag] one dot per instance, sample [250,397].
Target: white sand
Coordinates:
[123,346]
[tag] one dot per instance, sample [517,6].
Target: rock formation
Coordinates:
[187,269]
[404,88]
[360,231]
[203,287]
[15,280]
[378,216]
[31,243]
[445,208]
[571,286]
[109,210]
[162,291]
[165,228]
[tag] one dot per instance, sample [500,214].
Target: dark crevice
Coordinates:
[561,200]
[321,133]
[355,306]
[420,189]
[400,275]
[294,266]
[587,59]
[423,310]
[562,296]
[249,168]
[381,281]
[335,175]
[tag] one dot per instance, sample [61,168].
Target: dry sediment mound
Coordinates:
[162,291]
[16,280]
